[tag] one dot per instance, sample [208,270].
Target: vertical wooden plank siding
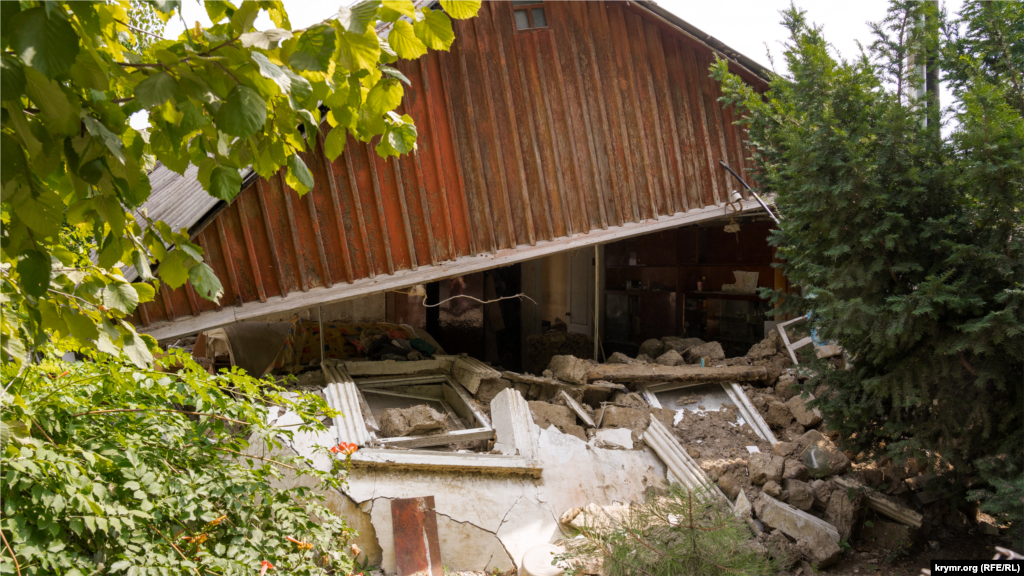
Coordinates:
[605,117]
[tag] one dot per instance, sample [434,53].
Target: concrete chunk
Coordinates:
[614,438]
[711,350]
[513,424]
[470,372]
[569,368]
[796,524]
[414,421]
[670,358]
[807,417]
[765,468]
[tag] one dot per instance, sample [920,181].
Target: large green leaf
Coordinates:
[58,111]
[272,71]
[108,138]
[43,212]
[225,183]
[403,39]
[155,89]
[44,40]
[120,296]
[364,49]
[435,30]
[334,144]
[172,269]
[243,113]
[385,96]
[205,282]
[12,78]
[265,40]
[298,176]
[358,18]
[392,10]
[12,158]
[461,9]
[34,270]
[313,50]
[82,327]
[136,349]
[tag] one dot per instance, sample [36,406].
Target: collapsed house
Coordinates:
[567,205]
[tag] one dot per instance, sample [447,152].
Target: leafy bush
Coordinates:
[681,532]
[906,233]
[113,469]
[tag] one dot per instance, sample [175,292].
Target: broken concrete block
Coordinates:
[742,507]
[768,347]
[469,372]
[614,438]
[415,421]
[819,550]
[652,348]
[794,523]
[561,417]
[779,414]
[629,400]
[569,368]
[643,359]
[490,388]
[622,417]
[693,453]
[785,449]
[807,417]
[513,424]
[795,470]
[786,387]
[772,488]
[800,494]
[781,550]
[670,358]
[680,345]
[732,483]
[618,358]
[822,490]
[765,468]
[841,511]
[712,350]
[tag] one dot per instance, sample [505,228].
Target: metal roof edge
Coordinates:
[297,301]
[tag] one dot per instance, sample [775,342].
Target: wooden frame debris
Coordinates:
[792,348]
[575,407]
[883,505]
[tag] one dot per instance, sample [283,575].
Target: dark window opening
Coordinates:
[529,14]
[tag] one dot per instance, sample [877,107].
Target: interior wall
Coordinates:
[555,270]
[369,308]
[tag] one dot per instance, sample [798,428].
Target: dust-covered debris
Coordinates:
[419,420]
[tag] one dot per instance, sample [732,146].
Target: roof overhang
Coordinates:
[296,301]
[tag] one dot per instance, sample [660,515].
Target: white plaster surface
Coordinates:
[612,437]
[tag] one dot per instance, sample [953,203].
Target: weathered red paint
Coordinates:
[606,117]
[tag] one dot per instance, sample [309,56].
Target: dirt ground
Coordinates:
[864,560]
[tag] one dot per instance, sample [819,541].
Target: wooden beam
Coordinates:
[332,185]
[360,224]
[274,256]
[315,220]
[647,373]
[385,236]
[293,230]
[229,260]
[250,248]
[406,224]
[439,439]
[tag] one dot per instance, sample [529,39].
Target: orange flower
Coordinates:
[303,545]
[356,550]
[264,566]
[216,521]
[345,448]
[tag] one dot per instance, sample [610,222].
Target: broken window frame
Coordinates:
[735,393]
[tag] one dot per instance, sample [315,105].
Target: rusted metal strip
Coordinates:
[417,548]
[428,221]
[715,132]
[380,209]
[332,186]
[243,218]
[192,301]
[506,208]
[436,153]
[413,260]
[314,219]
[561,85]
[644,78]
[201,240]
[360,223]
[293,231]
[446,87]
[261,195]
[700,122]
[688,132]
[517,152]
[531,121]
[659,67]
[229,260]
[480,189]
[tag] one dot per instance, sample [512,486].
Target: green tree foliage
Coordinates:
[221,98]
[113,469]
[909,245]
[681,532]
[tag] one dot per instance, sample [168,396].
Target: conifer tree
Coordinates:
[906,234]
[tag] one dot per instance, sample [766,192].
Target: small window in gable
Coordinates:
[529,14]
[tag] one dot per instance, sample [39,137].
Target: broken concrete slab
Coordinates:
[652,348]
[615,438]
[794,470]
[634,419]
[570,369]
[794,523]
[469,372]
[653,373]
[765,468]
[779,414]
[416,420]
[513,424]
[490,388]
[578,409]
[786,387]
[842,511]
[709,351]
[819,549]
[807,417]
[800,495]
[561,417]
[444,462]
[438,364]
[770,346]
[742,508]
[670,358]
[879,502]
[618,358]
